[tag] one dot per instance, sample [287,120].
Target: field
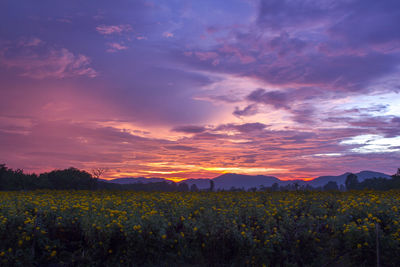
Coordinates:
[92,228]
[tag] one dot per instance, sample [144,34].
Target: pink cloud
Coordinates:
[203,56]
[168,34]
[114,47]
[31,42]
[113,29]
[57,64]
[244,59]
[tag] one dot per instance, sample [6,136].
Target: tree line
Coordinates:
[76,179]
[377,183]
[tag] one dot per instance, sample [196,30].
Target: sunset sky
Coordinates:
[193,89]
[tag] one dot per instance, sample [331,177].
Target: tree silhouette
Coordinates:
[194,188]
[351,181]
[183,187]
[70,178]
[211,185]
[98,172]
[331,186]
[275,187]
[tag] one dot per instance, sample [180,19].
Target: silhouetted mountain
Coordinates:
[286,182]
[371,174]
[135,180]
[200,183]
[340,179]
[229,180]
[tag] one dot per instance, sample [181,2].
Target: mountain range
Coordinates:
[228,180]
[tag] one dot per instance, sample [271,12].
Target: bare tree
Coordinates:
[98,172]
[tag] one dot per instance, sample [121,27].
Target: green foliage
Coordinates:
[115,228]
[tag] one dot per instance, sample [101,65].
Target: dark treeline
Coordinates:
[156,186]
[71,178]
[76,179]
[378,183]
[352,183]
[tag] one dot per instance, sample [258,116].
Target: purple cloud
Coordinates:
[113,29]
[276,99]
[54,63]
[246,111]
[189,129]
[114,47]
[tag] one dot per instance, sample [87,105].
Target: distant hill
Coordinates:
[135,180]
[200,183]
[341,179]
[229,180]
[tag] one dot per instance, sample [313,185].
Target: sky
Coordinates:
[193,89]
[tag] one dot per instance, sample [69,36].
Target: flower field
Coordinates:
[95,228]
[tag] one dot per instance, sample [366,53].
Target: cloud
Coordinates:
[239,54]
[114,47]
[221,98]
[250,127]
[304,114]
[387,126]
[277,99]
[168,34]
[246,111]
[283,44]
[113,29]
[369,23]
[310,44]
[242,128]
[203,56]
[54,63]
[189,129]
[32,42]
[182,148]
